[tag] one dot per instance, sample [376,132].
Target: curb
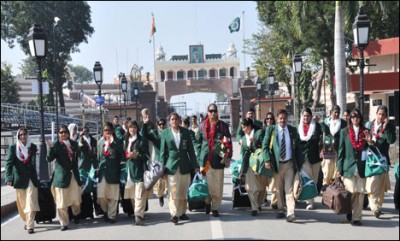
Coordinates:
[8,208]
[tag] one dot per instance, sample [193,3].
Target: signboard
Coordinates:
[35,87]
[377,102]
[100,100]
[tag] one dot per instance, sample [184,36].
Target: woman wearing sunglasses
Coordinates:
[65,181]
[21,173]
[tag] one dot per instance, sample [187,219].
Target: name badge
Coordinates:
[184,144]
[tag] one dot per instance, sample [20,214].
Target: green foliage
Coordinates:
[82,74]
[9,87]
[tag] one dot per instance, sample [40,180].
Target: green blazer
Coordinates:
[109,166]
[87,155]
[64,167]
[154,136]
[248,150]
[272,155]
[336,137]
[388,137]
[173,157]
[348,158]
[138,165]
[119,133]
[311,148]
[17,172]
[239,133]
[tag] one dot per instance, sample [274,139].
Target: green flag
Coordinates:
[235,25]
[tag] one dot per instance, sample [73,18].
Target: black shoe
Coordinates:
[349,217]
[254,213]
[161,201]
[138,220]
[30,231]
[63,228]
[215,213]
[356,223]
[76,220]
[208,208]
[259,209]
[274,206]
[378,213]
[280,215]
[175,219]
[184,217]
[291,218]
[111,220]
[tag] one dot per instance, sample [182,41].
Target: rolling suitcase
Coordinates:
[240,197]
[196,206]
[86,207]
[46,203]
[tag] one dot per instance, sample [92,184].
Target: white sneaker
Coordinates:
[310,207]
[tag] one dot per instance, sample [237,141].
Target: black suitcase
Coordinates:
[46,204]
[196,206]
[97,209]
[240,197]
[396,195]
[126,204]
[86,208]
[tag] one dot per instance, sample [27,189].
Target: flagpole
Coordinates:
[155,73]
[244,54]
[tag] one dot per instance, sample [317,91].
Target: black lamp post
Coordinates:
[271,80]
[98,78]
[361,28]
[297,65]
[82,107]
[38,46]
[259,89]
[124,87]
[55,83]
[136,95]
[119,100]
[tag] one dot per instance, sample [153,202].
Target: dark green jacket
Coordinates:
[17,172]
[119,133]
[88,156]
[154,136]
[138,165]
[348,158]
[109,166]
[248,150]
[388,137]
[64,167]
[272,155]
[336,137]
[173,157]
[239,133]
[311,148]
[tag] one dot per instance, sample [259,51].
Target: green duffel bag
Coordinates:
[375,163]
[236,167]
[198,190]
[256,162]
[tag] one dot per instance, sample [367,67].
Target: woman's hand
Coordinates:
[50,144]
[268,165]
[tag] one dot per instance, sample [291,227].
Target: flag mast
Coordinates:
[244,54]
[154,63]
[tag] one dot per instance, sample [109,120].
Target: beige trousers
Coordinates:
[28,204]
[312,170]
[178,186]
[255,187]
[107,198]
[215,180]
[376,186]
[138,195]
[328,167]
[355,185]
[284,184]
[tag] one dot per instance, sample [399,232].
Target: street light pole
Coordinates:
[271,78]
[136,94]
[98,78]
[258,87]
[124,87]
[119,100]
[56,20]
[297,65]
[38,47]
[361,27]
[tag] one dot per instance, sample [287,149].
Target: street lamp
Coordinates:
[297,65]
[259,89]
[56,20]
[119,100]
[82,107]
[124,87]
[361,28]
[271,80]
[136,95]
[38,46]
[98,78]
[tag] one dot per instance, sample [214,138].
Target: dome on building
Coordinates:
[231,52]
[160,54]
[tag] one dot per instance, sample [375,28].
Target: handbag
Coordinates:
[375,163]
[337,198]
[198,190]
[256,163]
[151,176]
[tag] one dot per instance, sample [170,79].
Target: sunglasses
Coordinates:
[63,132]
[213,111]
[355,116]
[161,124]
[106,130]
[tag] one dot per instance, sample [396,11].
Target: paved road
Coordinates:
[233,224]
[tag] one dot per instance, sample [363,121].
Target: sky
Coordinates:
[122,33]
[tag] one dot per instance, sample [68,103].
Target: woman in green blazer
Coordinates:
[21,173]
[65,181]
[178,156]
[136,153]
[351,162]
[110,154]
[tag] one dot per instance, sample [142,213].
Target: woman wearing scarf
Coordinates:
[211,163]
[383,134]
[310,134]
[110,154]
[20,172]
[136,154]
[73,130]
[351,162]
[65,181]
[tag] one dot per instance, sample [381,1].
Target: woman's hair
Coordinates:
[62,126]
[173,114]
[273,118]
[131,124]
[356,112]
[384,108]
[212,104]
[306,109]
[22,129]
[110,126]
[247,122]
[335,107]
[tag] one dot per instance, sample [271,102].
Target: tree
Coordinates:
[9,87]
[73,29]
[82,74]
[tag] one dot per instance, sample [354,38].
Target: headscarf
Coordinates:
[22,151]
[71,128]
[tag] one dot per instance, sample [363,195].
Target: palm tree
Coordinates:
[340,59]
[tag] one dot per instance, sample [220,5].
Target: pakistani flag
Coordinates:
[235,25]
